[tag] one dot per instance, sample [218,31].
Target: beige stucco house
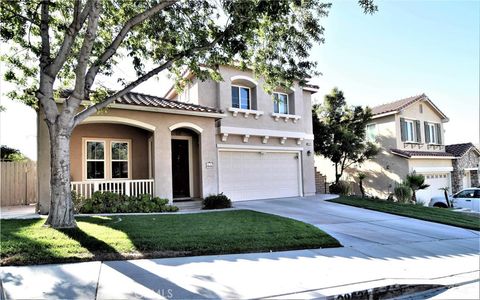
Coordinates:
[227,136]
[411,138]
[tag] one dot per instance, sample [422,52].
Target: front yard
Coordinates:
[127,237]
[438,215]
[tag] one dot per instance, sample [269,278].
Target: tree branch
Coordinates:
[44,34]
[112,48]
[94,108]
[69,38]
[24,18]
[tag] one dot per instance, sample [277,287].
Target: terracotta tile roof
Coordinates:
[458,150]
[408,153]
[396,105]
[133,98]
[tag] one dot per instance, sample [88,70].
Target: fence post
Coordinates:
[127,188]
[95,187]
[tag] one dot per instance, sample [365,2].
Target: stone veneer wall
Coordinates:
[470,160]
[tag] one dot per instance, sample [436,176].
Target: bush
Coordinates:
[108,202]
[341,188]
[216,202]
[403,193]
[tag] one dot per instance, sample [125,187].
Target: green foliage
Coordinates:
[403,193]
[339,132]
[108,202]
[341,188]
[11,154]
[217,201]
[415,182]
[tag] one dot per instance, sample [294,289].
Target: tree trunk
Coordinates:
[414,196]
[362,190]
[337,176]
[61,214]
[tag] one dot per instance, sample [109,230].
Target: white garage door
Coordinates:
[436,181]
[258,175]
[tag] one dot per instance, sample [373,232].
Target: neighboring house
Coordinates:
[411,138]
[465,166]
[227,136]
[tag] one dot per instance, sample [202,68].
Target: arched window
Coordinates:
[244,92]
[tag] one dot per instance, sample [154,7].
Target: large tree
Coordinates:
[339,132]
[55,44]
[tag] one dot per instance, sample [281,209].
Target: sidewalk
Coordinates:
[291,274]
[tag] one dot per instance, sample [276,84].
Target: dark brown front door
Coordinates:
[180,169]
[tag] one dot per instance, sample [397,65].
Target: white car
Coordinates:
[467,199]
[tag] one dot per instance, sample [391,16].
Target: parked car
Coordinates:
[467,198]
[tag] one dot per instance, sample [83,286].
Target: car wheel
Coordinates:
[439,204]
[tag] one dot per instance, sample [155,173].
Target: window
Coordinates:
[410,131]
[371,132]
[241,97]
[465,194]
[432,133]
[280,103]
[119,159]
[95,160]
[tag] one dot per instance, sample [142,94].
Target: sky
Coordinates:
[406,48]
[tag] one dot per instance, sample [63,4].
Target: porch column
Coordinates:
[208,161]
[162,154]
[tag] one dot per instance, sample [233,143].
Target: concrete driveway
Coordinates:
[372,233]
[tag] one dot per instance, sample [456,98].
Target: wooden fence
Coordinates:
[18,183]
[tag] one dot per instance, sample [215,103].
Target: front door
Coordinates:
[180,169]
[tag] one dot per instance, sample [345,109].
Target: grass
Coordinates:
[433,214]
[152,236]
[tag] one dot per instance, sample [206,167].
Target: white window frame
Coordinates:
[414,134]
[375,131]
[276,103]
[239,97]
[111,160]
[432,132]
[86,159]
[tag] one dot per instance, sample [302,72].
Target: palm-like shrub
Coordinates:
[361,176]
[403,193]
[415,182]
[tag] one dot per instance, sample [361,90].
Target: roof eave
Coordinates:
[385,114]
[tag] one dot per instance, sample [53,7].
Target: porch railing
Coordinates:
[124,187]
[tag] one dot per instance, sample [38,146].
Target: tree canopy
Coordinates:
[11,154]
[339,132]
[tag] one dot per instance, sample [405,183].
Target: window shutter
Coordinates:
[418,132]
[438,129]
[427,135]
[403,129]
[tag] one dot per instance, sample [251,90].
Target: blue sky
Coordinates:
[406,48]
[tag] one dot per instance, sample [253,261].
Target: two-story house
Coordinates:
[411,138]
[229,136]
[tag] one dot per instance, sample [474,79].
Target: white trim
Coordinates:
[168,110]
[189,125]
[240,98]
[264,132]
[471,169]
[277,116]
[309,89]
[247,112]
[432,169]
[433,157]
[243,77]
[190,161]
[119,120]
[150,157]
[230,147]
[385,114]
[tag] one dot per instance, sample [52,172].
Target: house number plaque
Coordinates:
[209,164]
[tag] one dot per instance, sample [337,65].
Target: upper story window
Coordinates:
[432,133]
[280,103]
[410,131]
[371,132]
[241,97]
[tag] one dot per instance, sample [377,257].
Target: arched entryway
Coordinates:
[185,145]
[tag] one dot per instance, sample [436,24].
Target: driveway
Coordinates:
[380,249]
[372,233]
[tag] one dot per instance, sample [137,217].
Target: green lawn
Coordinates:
[433,214]
[126,237]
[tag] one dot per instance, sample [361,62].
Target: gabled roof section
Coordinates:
[398,105]
[139,99]
[409,154]
[459,150]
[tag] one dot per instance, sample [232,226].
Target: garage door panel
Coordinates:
[258,175]
[436,182]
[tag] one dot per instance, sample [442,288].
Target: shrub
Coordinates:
[108,202]
[342,188]
[78,201]
[403,193]
[217,201]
